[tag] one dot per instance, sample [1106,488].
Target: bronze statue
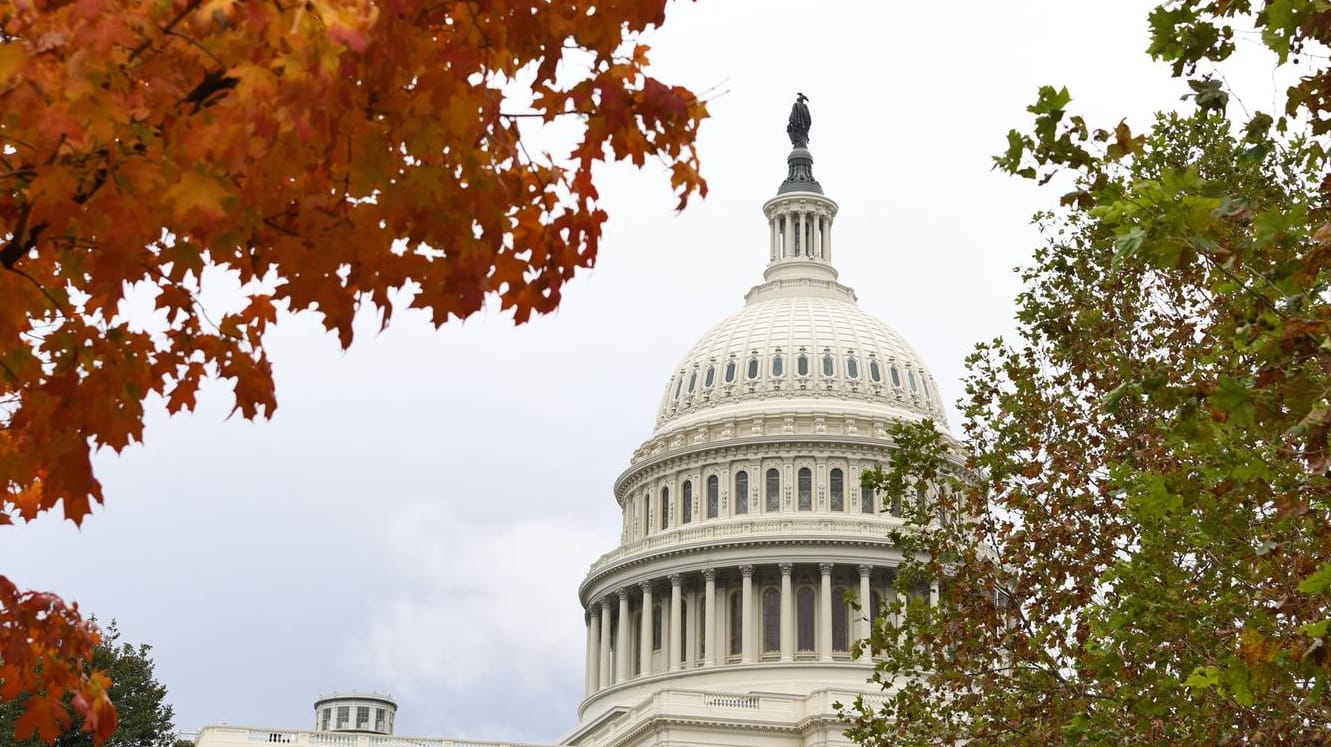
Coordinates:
[798,127]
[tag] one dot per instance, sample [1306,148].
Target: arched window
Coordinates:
[852,368]
[741,492]
[686,507]
[896,377]
[773,490]
[896,506]
[777,366]
[802,365]
[804,618]
[713,496]
[924,387]
[753,367]
[730,372]
[866,499]
[736,623]
[656,627]
[771,620]
[693,379]
[875,372]
[840,620]
[829,367]
[836,487]
[665,508]
[805,486]
[910,375]
[710,378]
[679,384]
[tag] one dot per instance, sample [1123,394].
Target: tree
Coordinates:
[326,155]
[1135,551]
[145,717]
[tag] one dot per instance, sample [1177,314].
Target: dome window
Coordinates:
[837,490]
[896,377]
[866,499]
[852,368]
[741,492]
[753,367]
[713,496]
[665,508]
[773,490]
[805,486]
[777,366]
[911,375]
[802,365]
[693,380]
[686,503]
[710,378]
[829,367]
[875,372]
[924,387]
[679,387]
[730,372]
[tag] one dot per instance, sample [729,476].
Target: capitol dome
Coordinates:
[796,341]
[732,611]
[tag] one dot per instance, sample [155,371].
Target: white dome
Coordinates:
[851,359]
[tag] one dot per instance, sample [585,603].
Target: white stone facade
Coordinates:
[724,615]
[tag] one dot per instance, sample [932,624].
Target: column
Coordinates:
[605,642]
[691,632]
[772,238]
[788,249]
[593,647]
[709,617]
[645,645]
[867,612]
[676,597]
[746,615]
[825,613]
[787,614]
[827,238]
[622,646]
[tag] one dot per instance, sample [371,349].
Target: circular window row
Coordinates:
[687,383]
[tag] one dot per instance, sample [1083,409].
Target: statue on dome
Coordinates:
[798,127]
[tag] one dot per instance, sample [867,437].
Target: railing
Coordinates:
[730,701]
[860,526]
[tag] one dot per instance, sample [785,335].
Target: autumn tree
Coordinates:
[1136,550]
[327,156]
[145,716]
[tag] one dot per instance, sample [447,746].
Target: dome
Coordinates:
[791,346]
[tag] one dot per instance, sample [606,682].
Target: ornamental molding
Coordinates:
[613,565]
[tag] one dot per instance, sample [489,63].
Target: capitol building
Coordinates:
[724,615]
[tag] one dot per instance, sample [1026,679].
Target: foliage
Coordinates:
[1146,511]
[145,717]
[326,154]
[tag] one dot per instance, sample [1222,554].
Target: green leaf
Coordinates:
[1318,581]
[1235,398]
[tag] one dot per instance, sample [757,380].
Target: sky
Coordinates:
[418,513]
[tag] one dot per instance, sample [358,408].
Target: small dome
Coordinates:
[799,343]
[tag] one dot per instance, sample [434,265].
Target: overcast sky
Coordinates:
[416,517]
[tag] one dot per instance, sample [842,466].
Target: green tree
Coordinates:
[145,716]
[1135,550]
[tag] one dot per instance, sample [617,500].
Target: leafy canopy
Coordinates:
[1145,512]
[327,154]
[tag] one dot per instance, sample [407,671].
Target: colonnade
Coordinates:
[687,642]
[800,233]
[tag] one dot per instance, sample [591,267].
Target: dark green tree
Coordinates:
[145,716]
[1137,548]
